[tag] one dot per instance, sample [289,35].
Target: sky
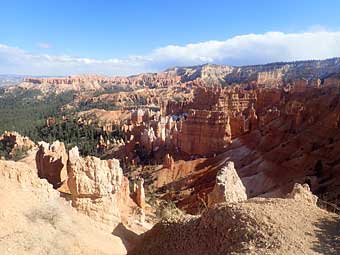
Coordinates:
[64,37]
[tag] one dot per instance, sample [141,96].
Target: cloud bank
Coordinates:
[239,50]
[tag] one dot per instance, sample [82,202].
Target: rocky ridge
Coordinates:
[255,226]
[271,74]
[96,187]
[35,220]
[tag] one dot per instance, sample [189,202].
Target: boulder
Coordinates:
[228,188]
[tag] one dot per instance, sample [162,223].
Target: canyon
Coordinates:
[249,153]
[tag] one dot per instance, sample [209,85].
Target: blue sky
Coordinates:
[124,37]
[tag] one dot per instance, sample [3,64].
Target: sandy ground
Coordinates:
[35,220]
[256,226]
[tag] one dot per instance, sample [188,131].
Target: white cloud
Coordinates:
[238,50]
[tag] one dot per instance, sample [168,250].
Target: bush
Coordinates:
[46,214]
[168,209]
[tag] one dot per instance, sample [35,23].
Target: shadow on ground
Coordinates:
[128,237]
[328,235]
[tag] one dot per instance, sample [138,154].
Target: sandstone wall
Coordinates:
[204,132]
[95,186]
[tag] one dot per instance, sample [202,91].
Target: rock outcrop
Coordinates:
[168,162]
[204,132]
[256,226]
[20,173]
[34,219]
[228,188]
[51,162]
[96,187]
[302,193]
[13,142]
[140,193]
[104,119]
[281,137]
